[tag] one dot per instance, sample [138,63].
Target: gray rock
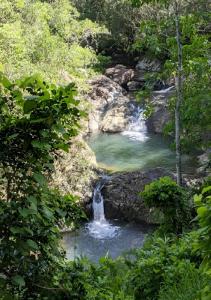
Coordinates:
[76,171]
[120,74]
[121,195]
[147,65]
[134,86]
[160,115]
[111,109]
[205,163]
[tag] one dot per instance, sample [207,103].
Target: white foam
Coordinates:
[137,129]
[102,229]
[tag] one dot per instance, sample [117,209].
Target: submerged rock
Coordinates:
[121,195]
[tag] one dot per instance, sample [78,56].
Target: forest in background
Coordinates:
[48,50]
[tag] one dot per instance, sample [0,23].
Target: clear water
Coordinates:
[120,152]
[82,243]
[133,149]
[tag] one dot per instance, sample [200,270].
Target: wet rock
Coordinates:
[121,195]
[120,74]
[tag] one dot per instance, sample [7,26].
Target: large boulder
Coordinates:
[121,195]
[110,107]
[120,74]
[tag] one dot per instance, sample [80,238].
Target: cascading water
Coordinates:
[98,204]
[137,129]
[100,228]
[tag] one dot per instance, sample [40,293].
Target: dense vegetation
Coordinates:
[47,37]
[39,116]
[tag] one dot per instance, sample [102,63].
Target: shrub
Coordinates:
[189,286]
[170,199]
[160,261]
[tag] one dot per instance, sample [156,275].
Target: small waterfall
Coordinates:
[98,204]
[100,228]
[137,129]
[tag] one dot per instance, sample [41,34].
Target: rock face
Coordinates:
[111,108]
[121,197]
[76,171]
[112,100]
[160,116]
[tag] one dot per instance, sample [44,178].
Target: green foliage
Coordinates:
[171,199]
[203,203]
[157,38]
[119,17]
[47,37]
[162,262]
[189,286]
[37,119]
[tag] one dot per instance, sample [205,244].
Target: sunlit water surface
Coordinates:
[121,152]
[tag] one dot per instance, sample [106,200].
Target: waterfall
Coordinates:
[137,129]
[98,203]
[100,228]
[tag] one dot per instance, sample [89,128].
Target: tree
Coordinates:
[186,70]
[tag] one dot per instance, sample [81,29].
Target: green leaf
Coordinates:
[32,244]
[18,280]
[206,189]
[29,105]
[39,178]
[33,202]
[201,211]
[63,147]
[41,145]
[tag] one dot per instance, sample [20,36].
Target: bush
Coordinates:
[189,286]
[162,261]
[171,200]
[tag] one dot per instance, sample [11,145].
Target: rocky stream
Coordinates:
[129,152]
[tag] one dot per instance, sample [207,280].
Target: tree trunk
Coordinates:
[179,98]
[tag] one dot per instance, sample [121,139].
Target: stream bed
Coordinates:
[133,149]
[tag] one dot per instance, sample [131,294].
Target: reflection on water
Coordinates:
[121,153]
